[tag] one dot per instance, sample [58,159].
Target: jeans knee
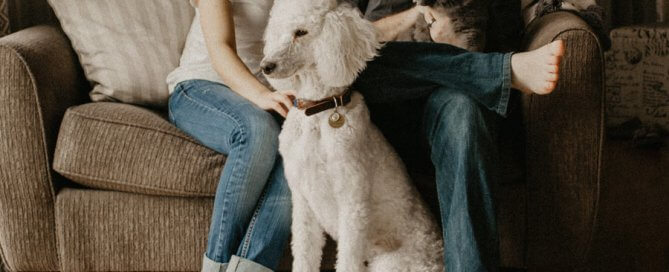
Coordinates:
[260,132]
[454,117]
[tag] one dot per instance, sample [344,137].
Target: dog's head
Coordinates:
[329,38]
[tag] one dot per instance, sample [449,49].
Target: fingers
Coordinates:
[285,101]
[291,94]
[282,103]
[428,16]
[280,109]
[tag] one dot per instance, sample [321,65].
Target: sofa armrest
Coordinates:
[39,79]
[564,147]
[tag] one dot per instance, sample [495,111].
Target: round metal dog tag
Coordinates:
[336,120]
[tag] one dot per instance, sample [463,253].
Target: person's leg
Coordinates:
[227,123]
[462,137]
[269,229]
[410,70]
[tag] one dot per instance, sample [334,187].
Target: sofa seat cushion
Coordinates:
[127,148]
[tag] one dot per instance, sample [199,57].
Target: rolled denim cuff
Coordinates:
[209,265]
[236,264]
[505,93]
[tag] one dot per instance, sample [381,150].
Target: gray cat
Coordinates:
[469,20]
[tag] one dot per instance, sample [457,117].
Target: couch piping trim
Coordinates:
[81,115]
[98,181]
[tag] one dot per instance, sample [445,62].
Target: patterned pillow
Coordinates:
[127,47]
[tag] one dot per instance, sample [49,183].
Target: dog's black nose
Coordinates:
[268,68]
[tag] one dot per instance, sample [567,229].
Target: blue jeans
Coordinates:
[467,94]
[250,224]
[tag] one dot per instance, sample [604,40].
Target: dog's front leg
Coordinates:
[308,237]
[353,220]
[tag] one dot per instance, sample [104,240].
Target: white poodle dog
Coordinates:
[345,179]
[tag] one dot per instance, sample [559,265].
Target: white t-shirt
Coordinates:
[250,17]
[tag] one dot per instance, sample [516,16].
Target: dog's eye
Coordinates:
[300,33]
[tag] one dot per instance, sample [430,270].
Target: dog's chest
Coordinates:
[307,172]
[314,154]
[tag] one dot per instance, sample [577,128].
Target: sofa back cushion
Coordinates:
[127,47]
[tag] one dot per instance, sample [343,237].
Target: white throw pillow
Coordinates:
[127,47]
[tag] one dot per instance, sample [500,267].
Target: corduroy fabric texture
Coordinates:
[39,79]
[114,231]
[131,149]
[564,145]
[127,47]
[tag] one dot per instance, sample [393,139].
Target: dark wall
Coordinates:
[630,12]
[22,14]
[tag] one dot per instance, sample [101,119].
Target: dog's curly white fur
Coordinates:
[347,182]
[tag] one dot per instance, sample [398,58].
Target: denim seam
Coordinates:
[100,181]
[506,85]
[251,227]
[221,231]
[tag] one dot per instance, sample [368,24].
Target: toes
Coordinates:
[553,69]
[550,86]
[557,48]
[554,60]
[552,77]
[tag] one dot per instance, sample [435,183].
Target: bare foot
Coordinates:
[537,71]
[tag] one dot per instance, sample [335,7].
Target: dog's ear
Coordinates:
[344,46]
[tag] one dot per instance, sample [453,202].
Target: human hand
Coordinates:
[424,7]
[279,101]
[440,25]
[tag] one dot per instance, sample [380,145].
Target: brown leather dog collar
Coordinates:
[313,107]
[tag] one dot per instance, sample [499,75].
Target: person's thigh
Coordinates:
[408,70]
[216,116]
[460,117]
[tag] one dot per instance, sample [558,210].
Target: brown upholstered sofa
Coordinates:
[148,194]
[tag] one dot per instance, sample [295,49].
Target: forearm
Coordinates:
[219,34]
[235,74]
[390,27]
